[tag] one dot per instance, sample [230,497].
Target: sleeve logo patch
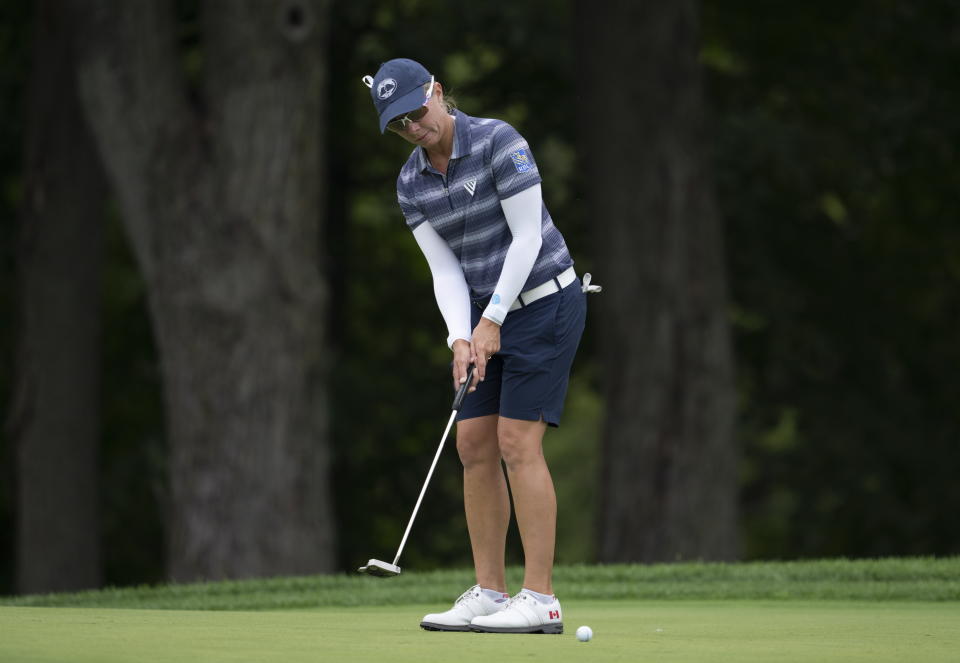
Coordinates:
[521,161]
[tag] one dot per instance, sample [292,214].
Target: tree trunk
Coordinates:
[55,420]
[220,194]
[669,477]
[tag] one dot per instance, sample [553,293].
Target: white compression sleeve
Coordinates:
[523,212]
[449,285]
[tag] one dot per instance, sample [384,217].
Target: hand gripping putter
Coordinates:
[376,567]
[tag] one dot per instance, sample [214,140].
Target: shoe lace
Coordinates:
[516,598]
[470,593]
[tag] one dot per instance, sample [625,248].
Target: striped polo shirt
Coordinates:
[490,162]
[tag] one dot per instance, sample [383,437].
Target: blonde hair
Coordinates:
[448,101]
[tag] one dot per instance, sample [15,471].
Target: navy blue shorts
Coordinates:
[527,379]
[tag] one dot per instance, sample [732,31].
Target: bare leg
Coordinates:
[534,500]
[485,498]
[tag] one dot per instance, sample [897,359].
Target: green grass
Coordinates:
[829,610]
[901,579]
[662,631]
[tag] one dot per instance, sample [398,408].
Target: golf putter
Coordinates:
[376,567]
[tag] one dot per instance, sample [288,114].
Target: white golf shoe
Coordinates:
[523,614]
[472,603]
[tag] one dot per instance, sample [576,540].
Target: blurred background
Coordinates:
[219,351]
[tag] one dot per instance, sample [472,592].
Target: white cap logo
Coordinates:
[386,87]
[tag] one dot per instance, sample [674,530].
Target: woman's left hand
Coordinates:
[485,344]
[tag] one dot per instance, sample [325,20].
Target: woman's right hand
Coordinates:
[462,356]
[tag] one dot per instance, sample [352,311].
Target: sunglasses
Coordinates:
[399,124]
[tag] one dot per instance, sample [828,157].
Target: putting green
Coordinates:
[661,631]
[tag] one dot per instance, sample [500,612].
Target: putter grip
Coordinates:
[462,391]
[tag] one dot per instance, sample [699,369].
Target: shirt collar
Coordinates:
[461,140]
[461,135]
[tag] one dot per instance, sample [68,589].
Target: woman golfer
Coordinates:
[505,285]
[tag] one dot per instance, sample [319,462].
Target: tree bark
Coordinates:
[55,418]
[669,469]
[220,194]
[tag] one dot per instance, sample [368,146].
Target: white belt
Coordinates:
[556,284]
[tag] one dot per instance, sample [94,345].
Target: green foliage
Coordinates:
[573,453]
[836,132]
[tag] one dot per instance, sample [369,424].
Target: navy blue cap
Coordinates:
[397,89]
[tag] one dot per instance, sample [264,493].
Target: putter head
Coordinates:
[382,569]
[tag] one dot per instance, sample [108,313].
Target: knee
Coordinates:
[476,449]
[517,449]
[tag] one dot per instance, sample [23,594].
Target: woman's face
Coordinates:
[430,129]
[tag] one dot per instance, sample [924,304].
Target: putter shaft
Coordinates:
[423,490]
[376,567]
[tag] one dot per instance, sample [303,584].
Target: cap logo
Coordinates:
[386,88]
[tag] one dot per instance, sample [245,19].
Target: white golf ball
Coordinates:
[584,633]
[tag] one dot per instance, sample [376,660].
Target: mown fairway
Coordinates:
[833,610]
